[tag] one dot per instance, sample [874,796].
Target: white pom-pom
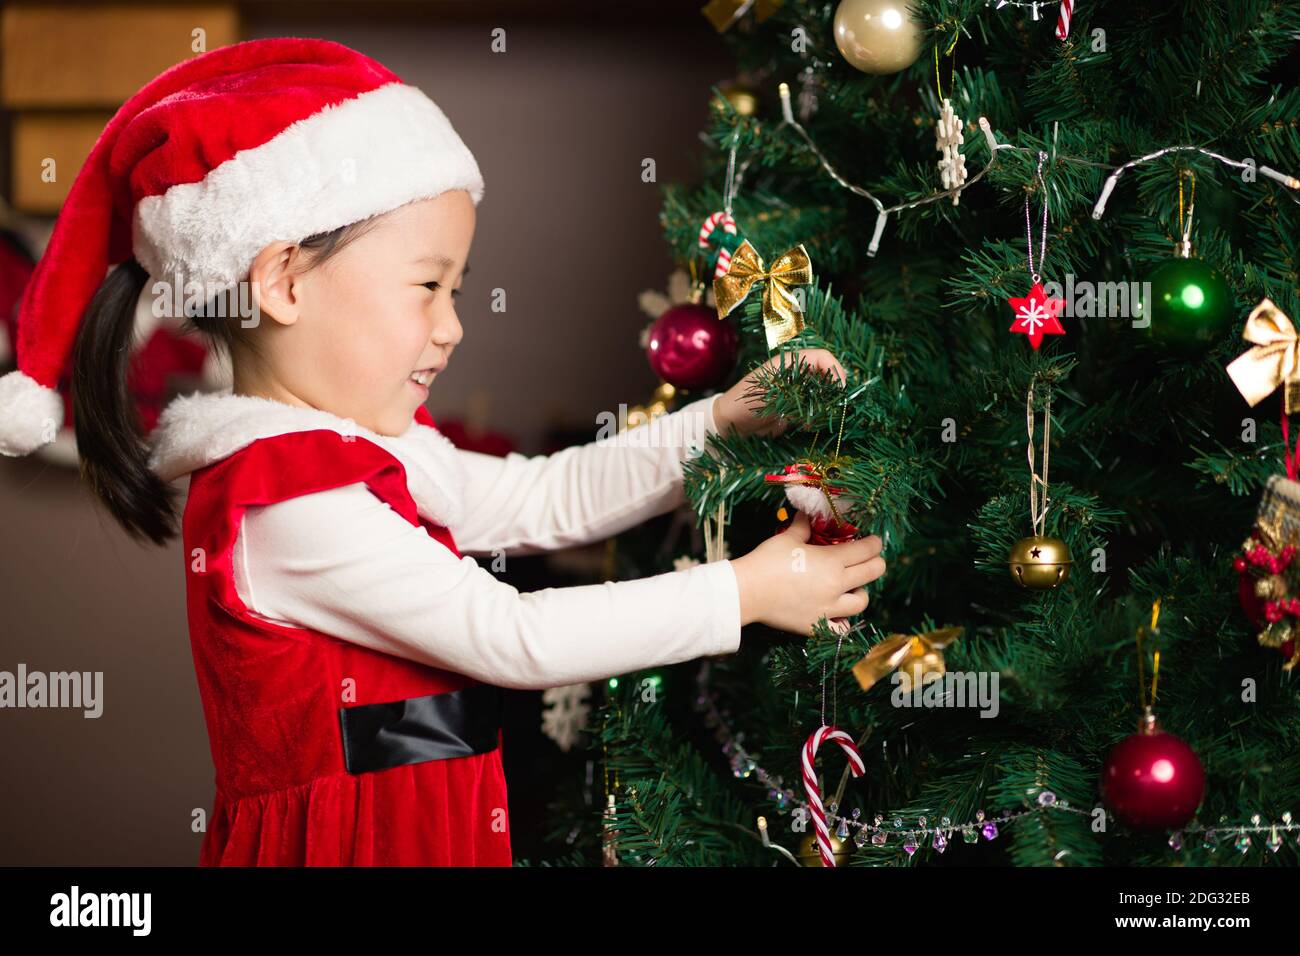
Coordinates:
[31,414]
[812,500]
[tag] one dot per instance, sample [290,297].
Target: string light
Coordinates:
[883,211]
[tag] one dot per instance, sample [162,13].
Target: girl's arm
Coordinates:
[342,562]
[525,505]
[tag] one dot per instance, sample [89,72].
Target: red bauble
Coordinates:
[1153,781]
[691,348]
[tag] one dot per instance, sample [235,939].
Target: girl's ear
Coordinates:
[275,284]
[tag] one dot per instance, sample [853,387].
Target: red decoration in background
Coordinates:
[488,442]
[165,354]
[15,271]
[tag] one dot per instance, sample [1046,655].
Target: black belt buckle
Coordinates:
[436,727]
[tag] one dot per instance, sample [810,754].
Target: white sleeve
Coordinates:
[342,562]
[525,505]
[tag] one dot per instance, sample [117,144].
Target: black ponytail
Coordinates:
[114,456]
[114,453]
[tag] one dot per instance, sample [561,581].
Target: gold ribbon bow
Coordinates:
[1272,362]
[782,317]
[919,654]
[723,13]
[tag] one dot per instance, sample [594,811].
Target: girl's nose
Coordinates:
[447,331]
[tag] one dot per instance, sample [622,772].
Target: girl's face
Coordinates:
[352,335]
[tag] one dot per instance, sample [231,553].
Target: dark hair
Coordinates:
[110,441]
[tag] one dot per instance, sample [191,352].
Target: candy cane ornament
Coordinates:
[728,225]
[856,766]
[1063,19]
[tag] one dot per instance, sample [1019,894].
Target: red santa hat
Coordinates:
[210,162]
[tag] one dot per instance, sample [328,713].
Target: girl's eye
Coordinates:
[435,286]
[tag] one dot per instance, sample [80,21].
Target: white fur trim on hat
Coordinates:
[348,162]
[31,414]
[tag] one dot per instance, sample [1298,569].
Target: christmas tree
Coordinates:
[1036,237]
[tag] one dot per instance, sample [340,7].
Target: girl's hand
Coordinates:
[736,409]
[826,581]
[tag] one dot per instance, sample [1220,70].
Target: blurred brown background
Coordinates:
[559,124]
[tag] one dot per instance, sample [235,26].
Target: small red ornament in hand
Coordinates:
[804,486]
[1036,315]
[1153,780]
[810,491]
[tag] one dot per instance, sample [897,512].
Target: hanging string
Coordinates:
[833,463]
[1186,227]
[1029,231]
[952,79]
[1155,662]
[734,176]
[834,687]
[1037,508]
[715,546]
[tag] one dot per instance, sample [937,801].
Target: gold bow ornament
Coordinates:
[916,655]
[782,316]
[1272,362]
[723,13]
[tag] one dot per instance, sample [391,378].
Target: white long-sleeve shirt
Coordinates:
[342,562]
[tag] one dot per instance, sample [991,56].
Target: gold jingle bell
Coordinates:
[809,855]
[1040,563]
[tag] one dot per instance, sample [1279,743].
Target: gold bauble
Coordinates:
[877,36]
[1039,562]
[664,394]
[741,99]
[809,855]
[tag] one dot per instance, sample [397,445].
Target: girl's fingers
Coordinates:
[849,604]
[864,573]
[823,360]
[859,550]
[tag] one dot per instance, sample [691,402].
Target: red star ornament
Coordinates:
[1036,315]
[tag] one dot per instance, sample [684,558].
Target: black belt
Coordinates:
[455,724]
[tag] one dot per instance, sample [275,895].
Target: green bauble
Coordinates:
[1191,305]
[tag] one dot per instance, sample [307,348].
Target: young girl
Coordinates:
[350,655]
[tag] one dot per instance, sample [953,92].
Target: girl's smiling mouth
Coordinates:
[422,378]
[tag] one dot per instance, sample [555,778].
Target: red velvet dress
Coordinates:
[272,694]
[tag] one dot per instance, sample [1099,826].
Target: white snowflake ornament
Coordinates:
[948,139]
[564,713]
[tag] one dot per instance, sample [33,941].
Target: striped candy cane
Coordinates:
[833,734]
[728,226]
[1063,20]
